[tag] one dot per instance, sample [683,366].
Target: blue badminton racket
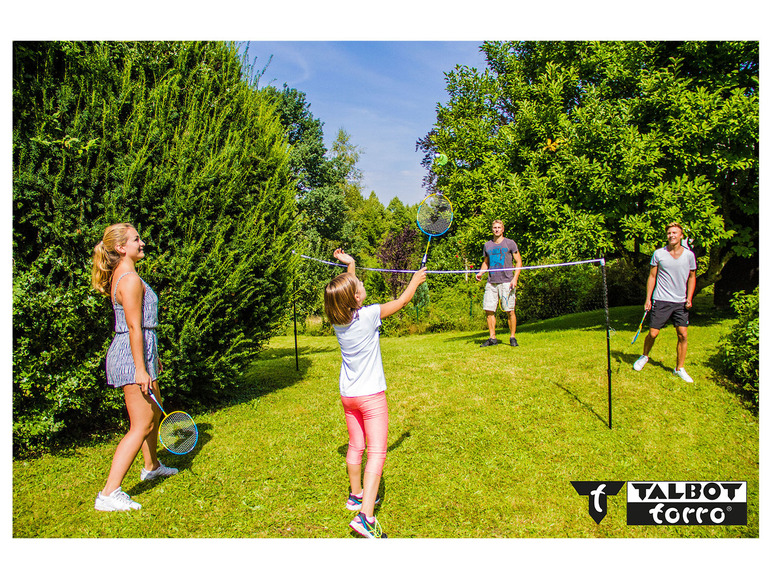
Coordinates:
[435,214]
[177,432]
[640,326]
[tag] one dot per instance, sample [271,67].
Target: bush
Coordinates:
[623,287]
[58,372]
[174,138]
[740,348]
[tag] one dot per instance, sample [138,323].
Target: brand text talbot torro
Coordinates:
[687,503]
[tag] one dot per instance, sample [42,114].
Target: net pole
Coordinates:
[608,336]
[295,318]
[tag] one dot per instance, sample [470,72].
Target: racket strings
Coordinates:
[178,432]
[435,215]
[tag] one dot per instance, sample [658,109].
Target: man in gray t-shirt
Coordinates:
[669,292]
[499,254]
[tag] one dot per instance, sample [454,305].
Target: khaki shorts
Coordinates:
[499,292]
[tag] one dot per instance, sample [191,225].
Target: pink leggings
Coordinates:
[367,420]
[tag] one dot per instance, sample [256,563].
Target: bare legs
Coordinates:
[649,341]
[490,317]
[144,418]
[681,346]
[371,483]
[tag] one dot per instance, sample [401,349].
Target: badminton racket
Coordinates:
[177,432]
[640,326]
[435,214]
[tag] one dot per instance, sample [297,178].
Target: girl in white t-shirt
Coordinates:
[363,384]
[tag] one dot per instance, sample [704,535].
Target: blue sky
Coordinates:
[384,94]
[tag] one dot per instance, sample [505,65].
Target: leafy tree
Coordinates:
[171,137]
[332,212]
[321,191]
[397,252]
[367,225]
[400,215]
[320,196]
[588,148]
[344,156]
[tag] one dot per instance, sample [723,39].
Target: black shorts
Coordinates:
[661,312]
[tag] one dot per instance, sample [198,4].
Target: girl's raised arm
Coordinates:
[394,306]
[344,257]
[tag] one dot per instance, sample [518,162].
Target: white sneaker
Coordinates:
[681,373]
[115,501]
[640,363]
[162,470]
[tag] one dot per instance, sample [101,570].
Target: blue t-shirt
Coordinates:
[361,372]
[500,257]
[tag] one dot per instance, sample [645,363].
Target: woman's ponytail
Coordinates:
[106,257]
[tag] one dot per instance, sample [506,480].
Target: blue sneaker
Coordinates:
[370,530]
[354,503]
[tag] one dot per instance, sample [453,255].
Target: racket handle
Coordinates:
[426,253]
[150,391]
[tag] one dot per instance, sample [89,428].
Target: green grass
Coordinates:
[484,442]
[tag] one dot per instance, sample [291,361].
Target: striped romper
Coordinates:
[120,362]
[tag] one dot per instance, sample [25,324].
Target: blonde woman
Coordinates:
[132,360]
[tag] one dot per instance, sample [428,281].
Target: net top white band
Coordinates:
[336,264]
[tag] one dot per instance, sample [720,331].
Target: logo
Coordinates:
[687,503]
[597,493]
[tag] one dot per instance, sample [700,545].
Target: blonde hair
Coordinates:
[674,224]
[495,221]
[106,257]
[340,302]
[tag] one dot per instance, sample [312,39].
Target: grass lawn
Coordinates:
[484,443]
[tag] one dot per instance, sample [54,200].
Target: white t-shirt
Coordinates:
[672,274]
[361,372]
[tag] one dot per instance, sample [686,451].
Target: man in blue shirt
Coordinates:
[498,257]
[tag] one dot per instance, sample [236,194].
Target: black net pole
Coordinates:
[295,318]
[608,336]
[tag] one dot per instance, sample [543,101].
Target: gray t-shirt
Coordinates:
[500,257]
[672,275]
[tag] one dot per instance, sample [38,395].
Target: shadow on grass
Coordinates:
[274,369]
[604,420]
[624,358]
[471,339]
[718,376]
[178,461]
